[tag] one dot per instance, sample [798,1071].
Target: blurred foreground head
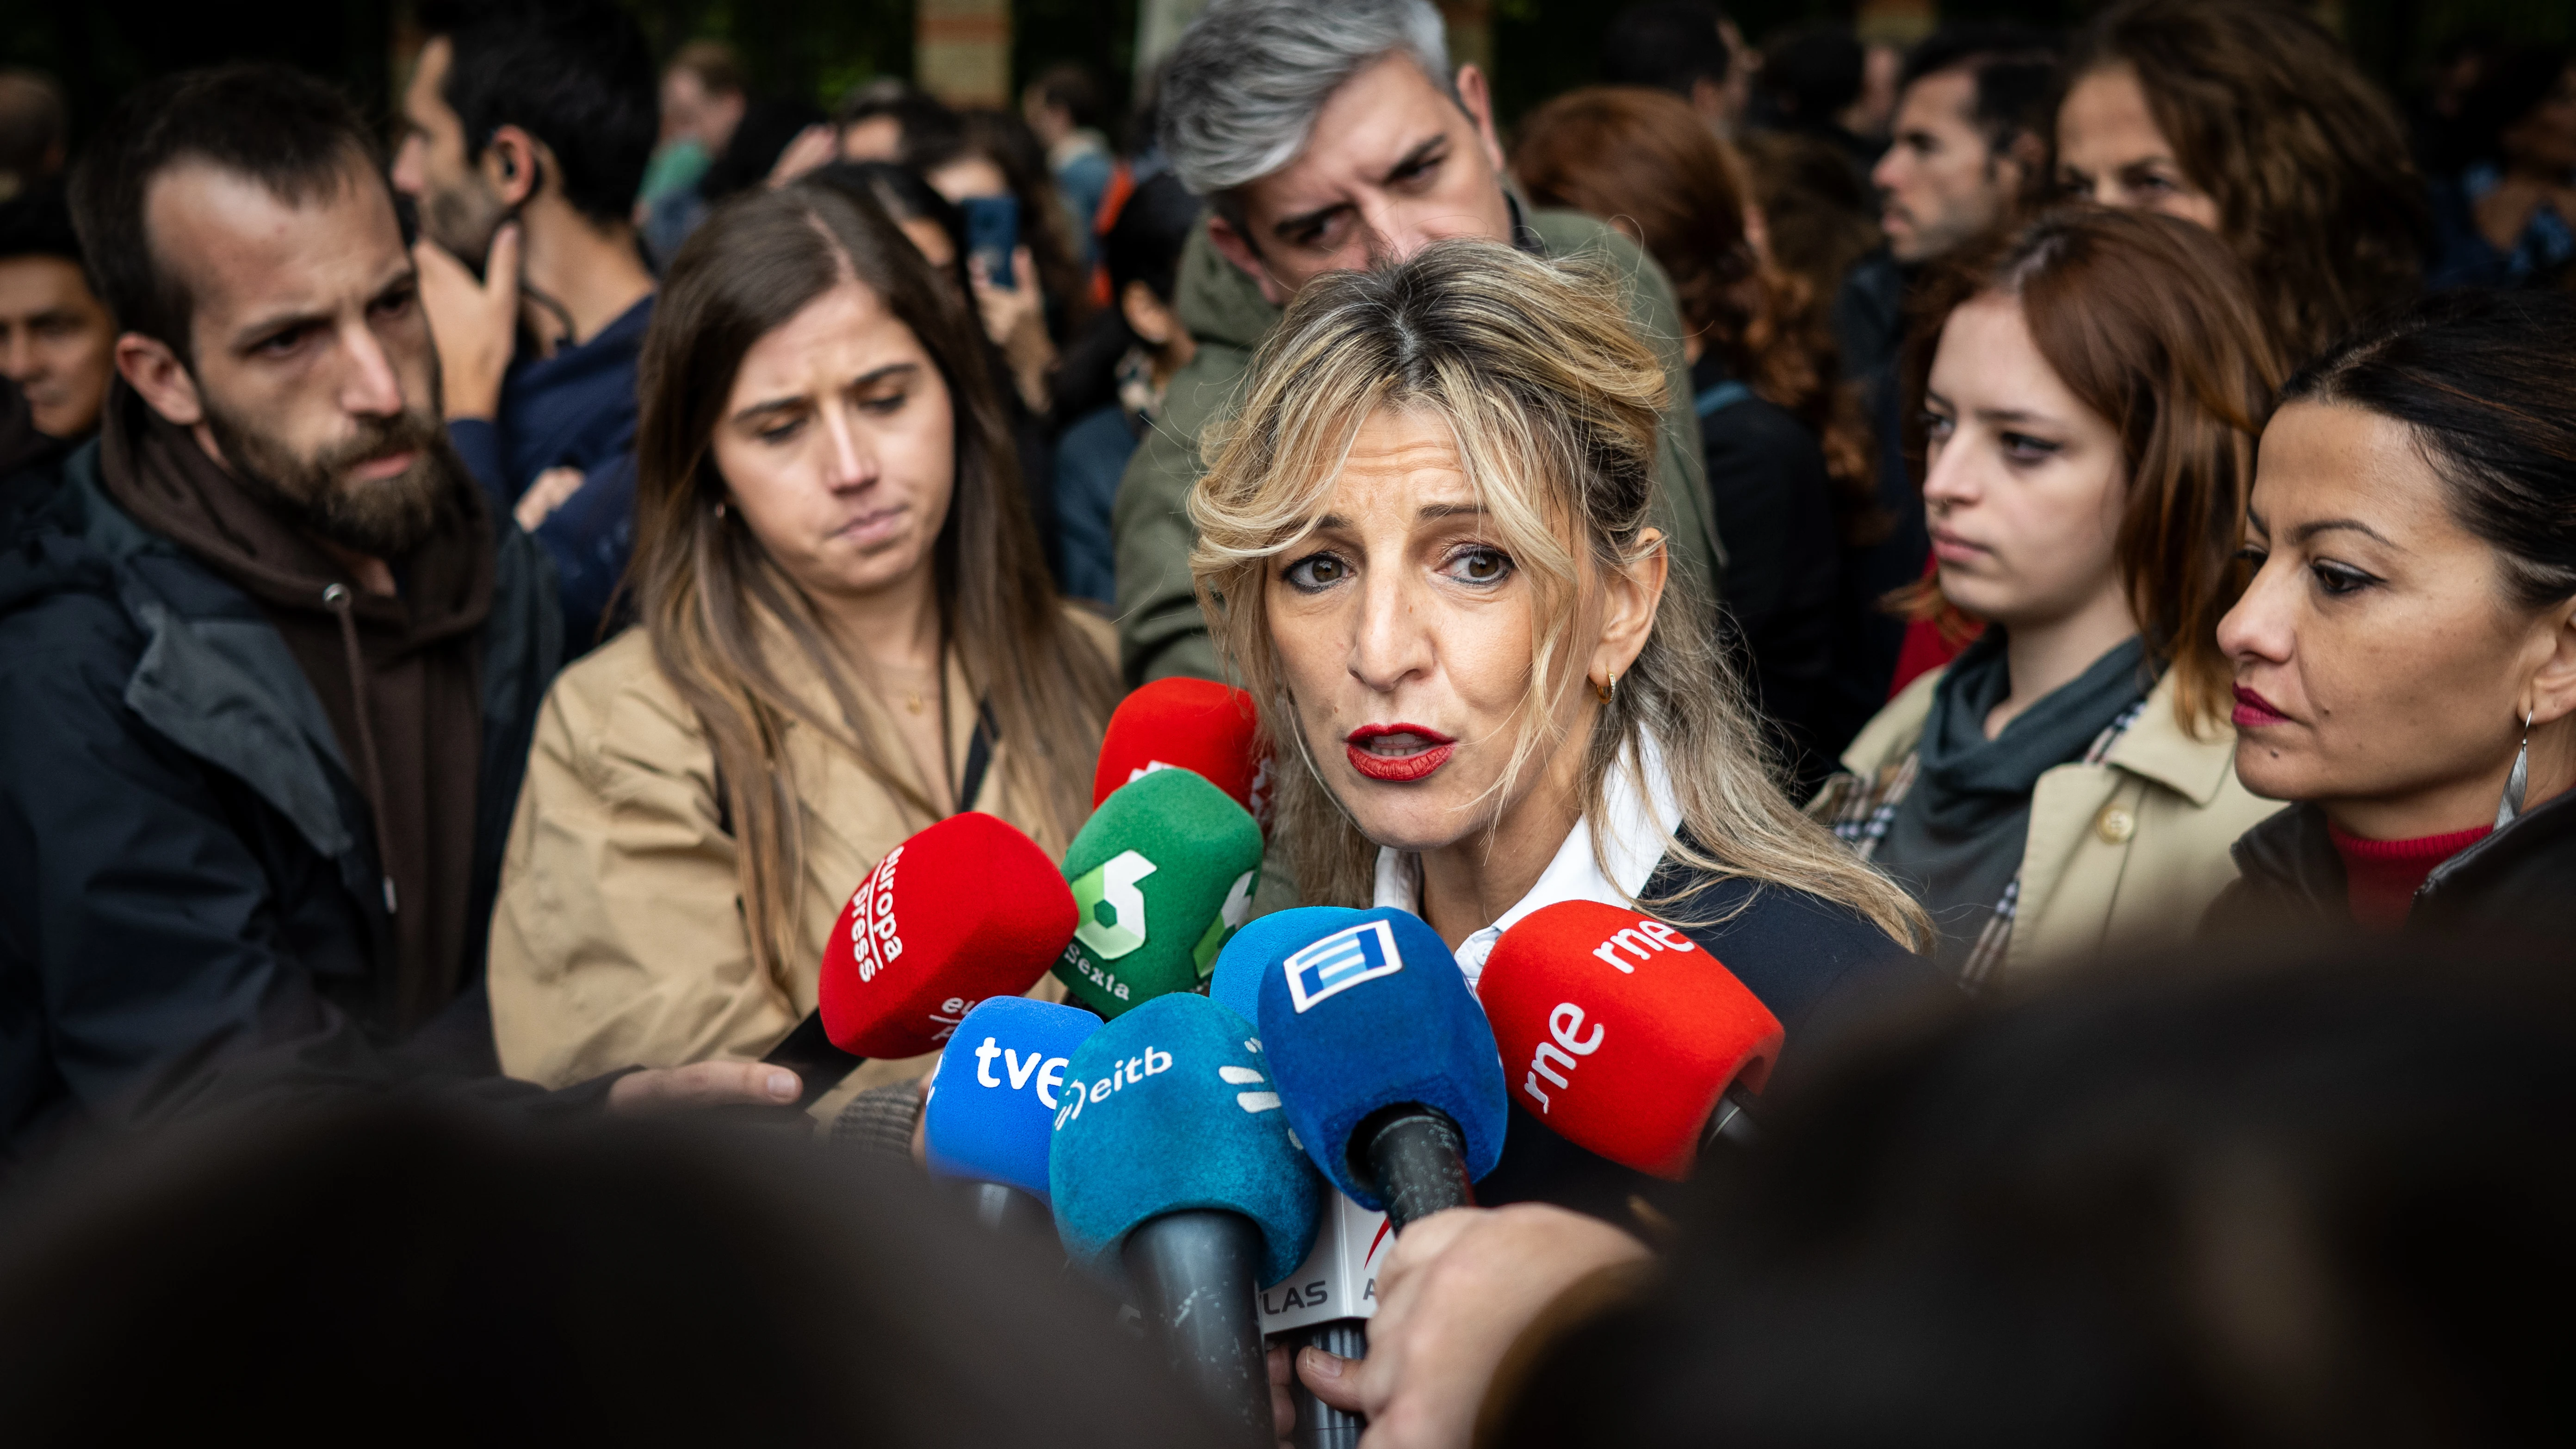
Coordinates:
[2320,1202]
[416,1275]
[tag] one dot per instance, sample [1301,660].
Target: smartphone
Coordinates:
[993,233]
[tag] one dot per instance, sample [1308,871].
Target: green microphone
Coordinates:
[1162,874]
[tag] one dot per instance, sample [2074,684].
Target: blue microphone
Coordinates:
[1386,1064]
[1257,947]
[1171,1158]
[991,1114]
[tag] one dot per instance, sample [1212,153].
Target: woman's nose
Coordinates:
[2258,628]
[846,461]
[1947,479]
[1389,645]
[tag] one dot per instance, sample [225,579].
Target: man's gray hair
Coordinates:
[1241,91]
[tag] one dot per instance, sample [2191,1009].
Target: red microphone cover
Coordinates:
[1191,724]
[967,909]
[1620,1033]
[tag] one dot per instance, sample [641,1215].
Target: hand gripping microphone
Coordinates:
[967,909]
[991,1114]
[1235,984]
[1171,1157]
[1189,724]
[1386,1065]
[1162,873]
[1622,1035]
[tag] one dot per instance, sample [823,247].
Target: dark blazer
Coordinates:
[2520,881]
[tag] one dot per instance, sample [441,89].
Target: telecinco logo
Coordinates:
[1109,911]
[1341,961]
[874,942]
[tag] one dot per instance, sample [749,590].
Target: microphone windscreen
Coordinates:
[1171,1106]
[1235,984]
[1371,1014]
[1620,1033]
[967,909]
[993,1100]
[1162,873]
[1198,725]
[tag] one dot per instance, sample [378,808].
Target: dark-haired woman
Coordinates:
[846,636]
[2064,787]
[2253,121]
[1788,460]
[2405,657]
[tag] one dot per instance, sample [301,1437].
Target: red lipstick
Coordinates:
[1401,753]
[2253,711]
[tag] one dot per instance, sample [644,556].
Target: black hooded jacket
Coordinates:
[188,873]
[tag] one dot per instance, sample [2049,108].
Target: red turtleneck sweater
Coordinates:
[2384,875]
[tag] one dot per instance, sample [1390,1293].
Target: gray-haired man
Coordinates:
[1327,134]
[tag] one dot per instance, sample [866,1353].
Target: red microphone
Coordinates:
[1621,1034]
[1188,724]
[967,909]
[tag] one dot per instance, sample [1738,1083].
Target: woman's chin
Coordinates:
[1405,817]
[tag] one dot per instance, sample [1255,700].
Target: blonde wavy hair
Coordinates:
[1554,403]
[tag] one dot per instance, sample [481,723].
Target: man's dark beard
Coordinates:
[463,219]
[387,518]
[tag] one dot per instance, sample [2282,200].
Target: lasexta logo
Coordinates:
[1109,909]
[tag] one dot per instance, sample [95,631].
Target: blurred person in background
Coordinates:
[2285,1197]
[1810,82]
[937,229]
[703,101]
[525,134]
[990,155]
[2508,217]
[1063,110]
[2091,387]
[270,687]
[1329,138]
[2405,656]
[1687,47]
[35,130]
[443,1276]
[1143,251]
[2251,120]
[57,341]
[846,633]
[1788,458]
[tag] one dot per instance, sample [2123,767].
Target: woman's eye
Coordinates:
[2253,557]
[884,404]
[1936,426]
[2337,579]
[1315,572]
[781,432]
[1479,565]
[2023,448]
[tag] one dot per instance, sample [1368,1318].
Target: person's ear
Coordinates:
[2552,694]
[2023,160]
[1147,317]
[1630,597]
[159,378]
[1237,248]
[511,165]
[1477,99]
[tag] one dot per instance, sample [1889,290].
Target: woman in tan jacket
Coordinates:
[2091,390]
[847,633]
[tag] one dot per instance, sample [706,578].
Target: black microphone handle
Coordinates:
[1006,1209]
[1416,1158]
[1197,1274]
[1319,1424]
[1732,1120]
[808,1052]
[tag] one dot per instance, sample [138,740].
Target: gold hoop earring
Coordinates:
[1608,693]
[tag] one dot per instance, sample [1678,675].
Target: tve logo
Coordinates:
[1109,910]
[1341,961]
[1048,1073]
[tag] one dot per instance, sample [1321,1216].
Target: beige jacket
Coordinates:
[618,940]
[2121,855]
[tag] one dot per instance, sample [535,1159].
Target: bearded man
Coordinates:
[272,669]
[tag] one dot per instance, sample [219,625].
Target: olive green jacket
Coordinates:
[1160,631]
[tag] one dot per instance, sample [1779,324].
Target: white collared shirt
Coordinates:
[1632,844]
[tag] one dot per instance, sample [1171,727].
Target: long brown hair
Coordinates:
[713,599]
[1646,163]
[2152,324]
[2305,157]
[1554,403]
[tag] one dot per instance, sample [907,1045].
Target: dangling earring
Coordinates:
[1608,693]
[720,513]
[2518,781]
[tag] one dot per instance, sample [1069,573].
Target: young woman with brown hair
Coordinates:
[1788,457]
[2092,388]
[847,634]
[2246,117]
